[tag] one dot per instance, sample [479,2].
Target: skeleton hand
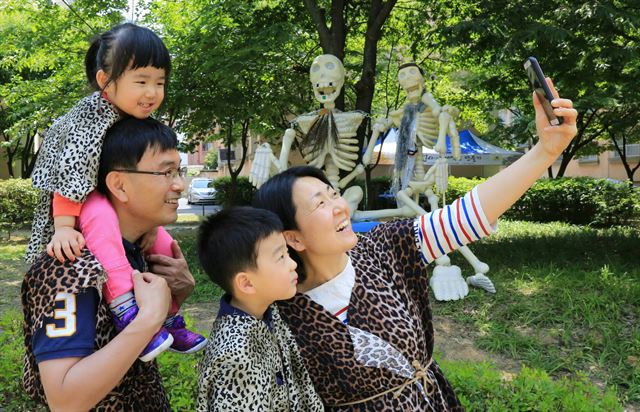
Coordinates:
[447,283]
[261,167]
[442,175]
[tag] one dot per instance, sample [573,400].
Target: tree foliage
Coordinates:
[589,48]
[41,68]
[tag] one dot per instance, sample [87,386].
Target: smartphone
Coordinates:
[539,85]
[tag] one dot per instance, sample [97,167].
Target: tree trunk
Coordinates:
[622,152]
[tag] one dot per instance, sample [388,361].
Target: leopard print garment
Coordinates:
[243,362]
[141,388]
[390,299]
[68,162]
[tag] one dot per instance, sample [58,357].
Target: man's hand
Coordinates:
[66,243]
[152,296]
[175,271]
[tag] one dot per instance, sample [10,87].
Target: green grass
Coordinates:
[482,387]
[568,302]
[567,309]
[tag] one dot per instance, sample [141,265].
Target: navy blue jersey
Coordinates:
[72,330]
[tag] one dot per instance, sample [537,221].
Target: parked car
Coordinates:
[201,191]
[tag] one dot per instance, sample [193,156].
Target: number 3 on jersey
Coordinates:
[65,310]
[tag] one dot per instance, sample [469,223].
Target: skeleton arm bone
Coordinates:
[444,119]
[287,142]
[428,99]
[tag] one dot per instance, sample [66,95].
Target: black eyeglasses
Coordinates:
[169,174]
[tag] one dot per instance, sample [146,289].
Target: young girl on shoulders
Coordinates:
[128,66]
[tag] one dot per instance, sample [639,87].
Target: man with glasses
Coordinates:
[76,360]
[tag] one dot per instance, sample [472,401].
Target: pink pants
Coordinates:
[101,230]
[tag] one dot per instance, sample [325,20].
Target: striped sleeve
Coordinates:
[447,229]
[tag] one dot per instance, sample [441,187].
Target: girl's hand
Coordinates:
[554,139]
[149,239]
[66,243]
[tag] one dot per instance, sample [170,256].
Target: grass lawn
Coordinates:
[566,314]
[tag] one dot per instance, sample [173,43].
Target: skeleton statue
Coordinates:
[422,122]
[328,138]
[328,141]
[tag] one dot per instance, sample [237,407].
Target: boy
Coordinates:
[251,361]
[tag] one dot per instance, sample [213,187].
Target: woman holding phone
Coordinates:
[362,316]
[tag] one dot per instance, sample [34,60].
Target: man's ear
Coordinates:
[102,77]
[292,237]
[115,182]
[242,283]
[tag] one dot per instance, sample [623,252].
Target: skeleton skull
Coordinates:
[412,81]
[327,78]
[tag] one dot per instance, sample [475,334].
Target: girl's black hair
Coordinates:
[126,46]
[276,195]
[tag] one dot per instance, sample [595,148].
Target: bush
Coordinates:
[211,160]
[243,195]
[578,200]
[459,186]
[17,203]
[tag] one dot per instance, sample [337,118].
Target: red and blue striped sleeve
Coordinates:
[453,226]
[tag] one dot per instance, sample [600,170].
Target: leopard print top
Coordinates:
[68,162]
[141,388]
[390,328]
[246,366]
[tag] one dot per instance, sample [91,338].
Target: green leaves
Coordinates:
[41,67]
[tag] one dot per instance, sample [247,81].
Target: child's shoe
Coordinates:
[184,341]
[124,309]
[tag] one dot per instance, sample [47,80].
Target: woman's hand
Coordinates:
[554,139]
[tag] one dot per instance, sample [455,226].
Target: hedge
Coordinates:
[244,191]
[578,200]
[17,203]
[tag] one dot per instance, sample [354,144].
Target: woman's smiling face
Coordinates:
[322,217]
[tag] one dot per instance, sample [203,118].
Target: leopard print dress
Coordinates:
[140,389]
[389,334]
[68,162]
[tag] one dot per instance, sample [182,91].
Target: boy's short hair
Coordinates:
[228,242]
[127,141]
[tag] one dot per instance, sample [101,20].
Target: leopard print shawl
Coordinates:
[389,330]
[68,162]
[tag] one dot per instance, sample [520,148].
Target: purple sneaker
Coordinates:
[160,342]
[184,341]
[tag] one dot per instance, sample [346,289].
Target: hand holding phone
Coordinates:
[539,84]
